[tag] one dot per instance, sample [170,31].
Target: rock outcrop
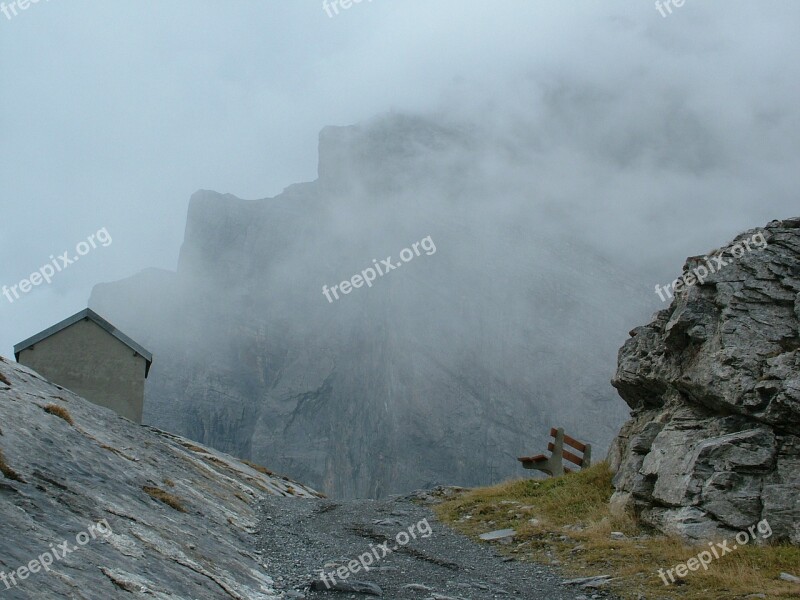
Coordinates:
[143,513]
[713,445]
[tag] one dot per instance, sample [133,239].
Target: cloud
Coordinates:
[115,113]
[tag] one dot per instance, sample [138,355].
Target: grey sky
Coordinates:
[114,113]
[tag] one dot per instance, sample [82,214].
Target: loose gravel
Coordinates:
[298,539]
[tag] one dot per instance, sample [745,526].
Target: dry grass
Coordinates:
[117,452]
[7,471]
[194,448]
[259,468]
[5,380]
[165,497]
[574,525]
[216,461]
[169,483]
[59,411]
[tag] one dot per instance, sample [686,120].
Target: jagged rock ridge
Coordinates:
[714,383]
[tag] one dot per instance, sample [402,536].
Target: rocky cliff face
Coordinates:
[714,384]
[141,513]
[443,371]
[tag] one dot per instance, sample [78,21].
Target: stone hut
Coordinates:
[89,356]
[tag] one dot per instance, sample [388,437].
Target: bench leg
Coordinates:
[556,459]
[587,457]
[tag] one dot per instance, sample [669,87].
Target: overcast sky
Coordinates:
[114,113]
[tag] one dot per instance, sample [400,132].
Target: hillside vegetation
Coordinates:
[566,521]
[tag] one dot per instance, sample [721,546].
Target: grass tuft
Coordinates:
[5,380]
[259,468]
[7,471]
[194,448]
[567,521]
[59,411]
[165,497]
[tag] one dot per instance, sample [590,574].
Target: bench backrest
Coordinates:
[584,449]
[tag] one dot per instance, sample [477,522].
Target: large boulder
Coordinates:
[713,382]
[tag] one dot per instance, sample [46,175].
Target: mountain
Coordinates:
[503,322]
[141,512]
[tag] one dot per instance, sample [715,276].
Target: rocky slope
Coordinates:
[714,384]
[144,514]
[443,371]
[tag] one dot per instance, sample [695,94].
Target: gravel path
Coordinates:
[300,537]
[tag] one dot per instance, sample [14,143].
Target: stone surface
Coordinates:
[498,536]
[417,587]
[589,582]
[443,372]
[713,382]
[70,476]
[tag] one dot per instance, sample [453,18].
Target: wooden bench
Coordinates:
[553,465]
